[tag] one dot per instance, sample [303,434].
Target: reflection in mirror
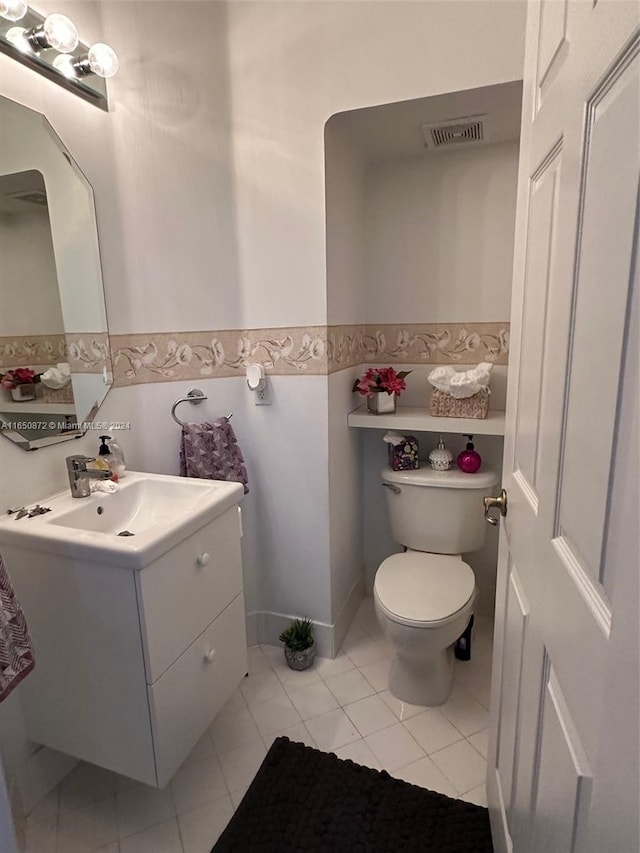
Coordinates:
[55,368]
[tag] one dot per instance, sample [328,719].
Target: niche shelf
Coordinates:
[417,419]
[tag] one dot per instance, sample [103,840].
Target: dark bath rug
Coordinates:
[306,801]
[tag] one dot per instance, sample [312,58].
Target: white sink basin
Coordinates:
[158,510]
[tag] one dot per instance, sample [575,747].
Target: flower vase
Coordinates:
[24,392]
[382,403]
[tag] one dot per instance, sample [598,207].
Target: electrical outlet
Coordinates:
[263,394]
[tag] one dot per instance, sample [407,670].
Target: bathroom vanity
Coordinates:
[139,639]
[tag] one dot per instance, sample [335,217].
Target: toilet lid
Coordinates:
[417,587]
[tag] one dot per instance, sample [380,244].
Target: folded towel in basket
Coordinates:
[461,384]
[211,451]
[16,650]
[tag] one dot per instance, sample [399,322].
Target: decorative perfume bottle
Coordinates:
[469,461]
[440,458]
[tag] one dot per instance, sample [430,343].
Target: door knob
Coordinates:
[500,502]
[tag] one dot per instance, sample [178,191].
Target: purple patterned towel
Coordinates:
[211,451]
[16,650]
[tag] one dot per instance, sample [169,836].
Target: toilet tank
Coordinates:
[438,511]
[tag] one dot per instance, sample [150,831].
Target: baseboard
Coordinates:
[264,626]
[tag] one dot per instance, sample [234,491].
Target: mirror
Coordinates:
[55,365]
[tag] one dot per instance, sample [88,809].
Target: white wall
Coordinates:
[209,185]
[345,253]
[439,237]
[292,66]
[30,300]
[345,225]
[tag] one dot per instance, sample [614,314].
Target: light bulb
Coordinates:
[60,33]
[103,60]
[18,38]
[13,10]
[64,64]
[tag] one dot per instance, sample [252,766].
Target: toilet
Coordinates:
[424,597]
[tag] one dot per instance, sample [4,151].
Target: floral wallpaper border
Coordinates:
[86,352]
[288,351]
[413,343]
[301,350]
[26,350]
[168,356]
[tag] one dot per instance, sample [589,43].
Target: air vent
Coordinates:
[460,131]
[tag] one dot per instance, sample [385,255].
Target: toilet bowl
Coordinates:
[424,598]
[423,603]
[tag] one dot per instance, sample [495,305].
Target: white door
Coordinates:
[563,763]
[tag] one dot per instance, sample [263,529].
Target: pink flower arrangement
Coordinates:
[381,379]
[19,376]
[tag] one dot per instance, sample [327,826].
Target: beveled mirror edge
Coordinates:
[82,423]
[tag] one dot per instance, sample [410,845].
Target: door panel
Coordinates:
[554,45]
[515,626]
[563,777]
[603,263]
[566,658]
[540,256]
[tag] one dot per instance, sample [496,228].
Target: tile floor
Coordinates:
[340,705]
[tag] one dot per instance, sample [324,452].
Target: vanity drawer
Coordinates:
[183,591]
[189,695]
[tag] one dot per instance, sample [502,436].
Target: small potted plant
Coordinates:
[381,386]
[299,648]
[21,383]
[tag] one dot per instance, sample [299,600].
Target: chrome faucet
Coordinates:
[79,475]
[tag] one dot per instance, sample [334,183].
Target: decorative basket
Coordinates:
[443,405]
[58,395]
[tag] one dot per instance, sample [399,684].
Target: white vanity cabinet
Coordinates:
[132,665]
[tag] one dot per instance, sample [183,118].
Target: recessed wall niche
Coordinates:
[421,199]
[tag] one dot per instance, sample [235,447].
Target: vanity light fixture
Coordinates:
[101,60]
[51,46]
[13,10]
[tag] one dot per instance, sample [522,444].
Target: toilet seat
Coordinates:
[424,590]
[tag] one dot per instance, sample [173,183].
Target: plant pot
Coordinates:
[382,403]
[300,660]
[22,393]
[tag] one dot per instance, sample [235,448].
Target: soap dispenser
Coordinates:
[118,464]
[105,460]
[440,458]
[469,461]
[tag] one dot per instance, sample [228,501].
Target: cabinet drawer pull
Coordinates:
[209,656]
[203,559]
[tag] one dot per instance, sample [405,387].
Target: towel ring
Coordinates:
[194,395]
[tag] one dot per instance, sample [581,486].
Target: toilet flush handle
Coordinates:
[500,502]
[395,489]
